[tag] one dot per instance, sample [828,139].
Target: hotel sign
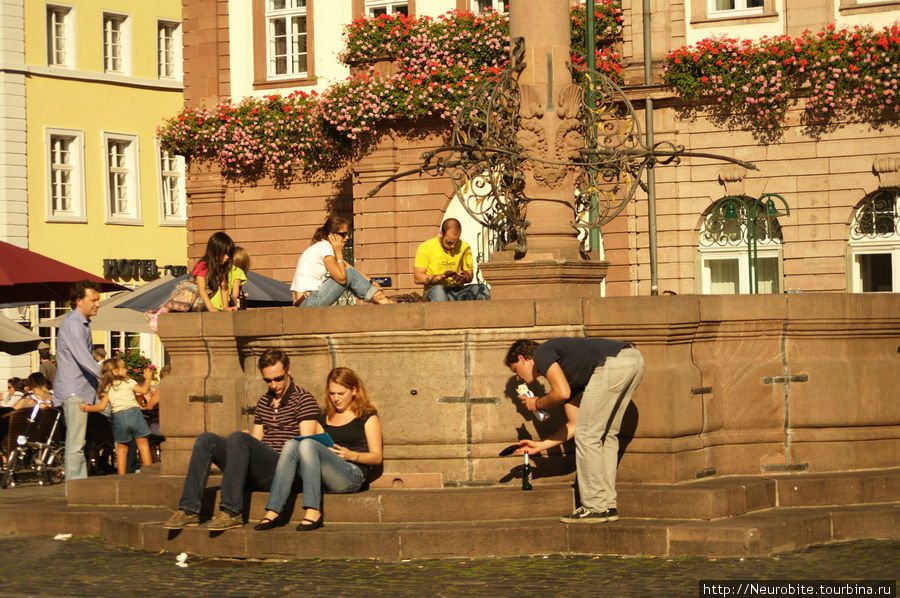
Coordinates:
[134,269]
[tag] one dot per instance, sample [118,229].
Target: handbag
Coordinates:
[185,297]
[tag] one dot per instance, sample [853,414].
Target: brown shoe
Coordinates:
[223,521]
[180,519]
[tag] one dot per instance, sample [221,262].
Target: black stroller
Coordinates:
[33,446]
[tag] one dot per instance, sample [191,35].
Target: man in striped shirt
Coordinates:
[247,460]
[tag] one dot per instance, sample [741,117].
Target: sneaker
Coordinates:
[180,519]
[223,521]
[584,515]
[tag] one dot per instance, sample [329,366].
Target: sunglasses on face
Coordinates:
[275,379]
[343,234]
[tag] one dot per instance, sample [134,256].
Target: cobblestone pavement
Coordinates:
[91,567]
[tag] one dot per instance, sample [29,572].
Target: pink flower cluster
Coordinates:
[274,135]
[439,63]
[841,73]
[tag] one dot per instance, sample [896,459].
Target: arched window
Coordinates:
[874,255]
[724,256]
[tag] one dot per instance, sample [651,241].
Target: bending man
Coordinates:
[605,373]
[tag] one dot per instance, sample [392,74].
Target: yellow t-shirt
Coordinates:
[234,273]
[432,256]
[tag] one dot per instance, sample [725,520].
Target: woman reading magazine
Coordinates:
[352,422]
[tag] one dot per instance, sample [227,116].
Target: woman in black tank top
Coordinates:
[352,424]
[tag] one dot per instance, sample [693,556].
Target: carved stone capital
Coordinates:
[732,176]
[887,168]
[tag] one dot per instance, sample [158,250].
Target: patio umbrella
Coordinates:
[119,320]
[29,276]
[261,291]
[15,339]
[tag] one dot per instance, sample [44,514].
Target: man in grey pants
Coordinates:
[77,372]
[605,373]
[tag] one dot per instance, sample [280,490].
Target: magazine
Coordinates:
[325,438]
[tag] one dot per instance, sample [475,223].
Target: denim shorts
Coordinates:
[128,425]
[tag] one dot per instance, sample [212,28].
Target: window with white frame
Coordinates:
[122,193]
[486,5]
[123,341]
[168,49]
[874,249]
[65,175]
[720,8]
[376,8]
[724,258]
[287,47]
[48,311]
[172,189]
[116,43]
[60,36]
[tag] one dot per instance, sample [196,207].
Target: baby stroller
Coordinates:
[33,445]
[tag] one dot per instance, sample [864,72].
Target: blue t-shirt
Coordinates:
[577,357]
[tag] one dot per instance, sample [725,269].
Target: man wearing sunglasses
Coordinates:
[444,265]
[247,459]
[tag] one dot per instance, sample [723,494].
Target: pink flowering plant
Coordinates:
[135,362]
[438,65]
[842,74]
[273,135]
[381,36]
[437,71]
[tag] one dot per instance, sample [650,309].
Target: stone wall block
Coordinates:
[863,369]
[419,380]
[475,314]
[733,366]
[248,323]
[661,330]
[557,312]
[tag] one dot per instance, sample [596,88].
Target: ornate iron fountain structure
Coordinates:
[486,158]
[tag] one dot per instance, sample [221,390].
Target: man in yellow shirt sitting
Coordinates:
[444,265]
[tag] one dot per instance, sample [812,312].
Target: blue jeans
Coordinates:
[128,425]
[469,292]
[331,290]
[244,461]
[317,465]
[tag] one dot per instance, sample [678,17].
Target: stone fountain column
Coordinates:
[548,129]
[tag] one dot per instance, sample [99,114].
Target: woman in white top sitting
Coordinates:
[322,276]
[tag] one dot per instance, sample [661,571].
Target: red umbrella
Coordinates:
[29,276]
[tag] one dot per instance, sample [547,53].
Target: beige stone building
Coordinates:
[823,244]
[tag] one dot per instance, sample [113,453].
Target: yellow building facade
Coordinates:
[99,77]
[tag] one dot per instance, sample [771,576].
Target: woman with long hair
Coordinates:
[211,272]
[351,421]
[210,276]
[322,276]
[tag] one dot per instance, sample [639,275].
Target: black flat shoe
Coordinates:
[308,525]
[265,524]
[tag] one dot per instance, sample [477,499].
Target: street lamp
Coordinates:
[734,211]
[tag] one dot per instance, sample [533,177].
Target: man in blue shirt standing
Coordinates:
[77,372]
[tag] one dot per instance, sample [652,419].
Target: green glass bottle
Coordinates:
[526,474]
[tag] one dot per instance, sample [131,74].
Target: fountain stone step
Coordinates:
[756,534]
[706,499]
